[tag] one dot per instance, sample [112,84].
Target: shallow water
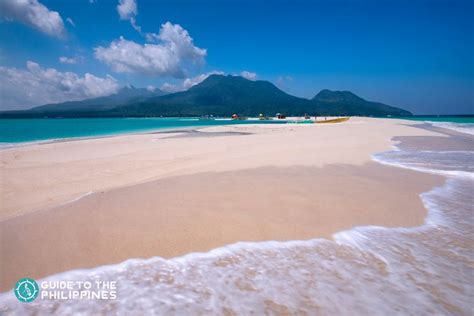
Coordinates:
[15,131]
[461,124]
[365,270]
[467,128]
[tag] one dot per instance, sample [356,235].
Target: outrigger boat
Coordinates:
[336,120]
[301,122]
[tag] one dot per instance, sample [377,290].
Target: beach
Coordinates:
[236,158]
[85,203]
[79,167]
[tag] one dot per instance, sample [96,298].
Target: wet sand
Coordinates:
[196,213]
[161,196]
[446,140]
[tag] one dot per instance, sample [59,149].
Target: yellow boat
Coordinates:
[336,120]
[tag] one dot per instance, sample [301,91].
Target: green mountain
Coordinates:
[125,96]
[217,95]
[222,96]
[330,102]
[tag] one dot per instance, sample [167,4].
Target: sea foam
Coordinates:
[363,271]
[466,128]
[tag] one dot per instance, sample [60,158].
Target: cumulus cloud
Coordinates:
[33,14]
[48,85]
[249,75]
[188,82]
[170,57]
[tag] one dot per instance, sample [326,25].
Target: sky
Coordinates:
[414,54]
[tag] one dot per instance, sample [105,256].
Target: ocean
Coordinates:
[13,131]
[363,271]
[460,123]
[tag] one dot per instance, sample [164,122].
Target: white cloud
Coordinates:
[135,26]
[249,75]
[151,88]
[69,60]
[70,21]
[188,82]
[24,88]
[168,58]
[34,14]
[152,37]
[168,87]
[127,9]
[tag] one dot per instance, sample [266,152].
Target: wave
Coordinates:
[364,270]
[445,163]
[466,128]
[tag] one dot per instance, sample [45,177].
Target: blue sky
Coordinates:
[414,54]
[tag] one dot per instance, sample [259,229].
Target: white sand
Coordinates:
[171,194]
[38,176]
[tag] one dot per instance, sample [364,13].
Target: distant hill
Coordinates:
[126,95]
[222,96]
[217,95]
[330,102]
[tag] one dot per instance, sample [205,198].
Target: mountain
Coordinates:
[222,96]
[217,95]
[126,95]
[330,102]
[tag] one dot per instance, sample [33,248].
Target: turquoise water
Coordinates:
[447,119]
[30,130]
[461,124]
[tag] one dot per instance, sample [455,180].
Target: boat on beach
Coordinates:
[336,120]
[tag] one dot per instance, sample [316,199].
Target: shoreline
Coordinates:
[330,173]
[73,139]
[7,146]
[72,151]
[12,155]
[109,240]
